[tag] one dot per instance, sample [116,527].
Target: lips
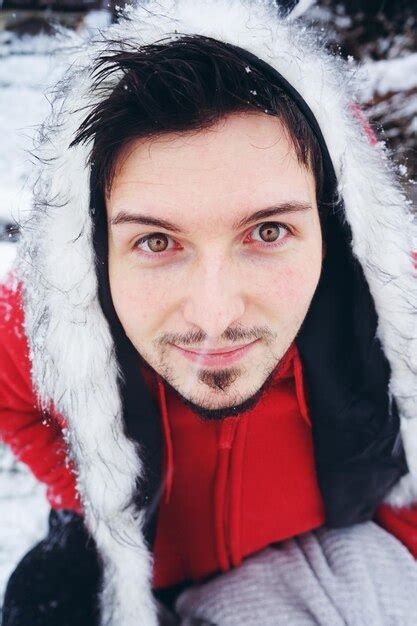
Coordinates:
[218,357]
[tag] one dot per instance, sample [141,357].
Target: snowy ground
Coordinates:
[27,67]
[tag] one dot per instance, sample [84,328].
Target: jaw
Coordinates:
[220,394]
[210,412]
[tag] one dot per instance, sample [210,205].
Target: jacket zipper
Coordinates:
[223,492]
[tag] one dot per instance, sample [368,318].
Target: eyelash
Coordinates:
[165,253]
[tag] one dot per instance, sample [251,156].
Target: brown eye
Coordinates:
[273,233]
[269,231]
[157,242]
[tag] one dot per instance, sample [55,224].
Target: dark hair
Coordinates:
[187,83]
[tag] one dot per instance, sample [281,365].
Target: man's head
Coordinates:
[211,179]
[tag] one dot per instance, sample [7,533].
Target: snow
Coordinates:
[24,77]
[7,254]
[383,77]
[97,20]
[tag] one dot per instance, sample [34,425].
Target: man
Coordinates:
[218,298]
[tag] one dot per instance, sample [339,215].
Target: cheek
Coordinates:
[287,289]
[134,296]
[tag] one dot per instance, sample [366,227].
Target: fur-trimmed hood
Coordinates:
[71,346]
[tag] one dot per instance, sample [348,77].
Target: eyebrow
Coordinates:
[284,207]
[136,218]
[124,217]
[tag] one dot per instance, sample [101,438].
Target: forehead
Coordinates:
[244,161]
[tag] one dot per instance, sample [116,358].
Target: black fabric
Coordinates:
[359,455]
[358,450]
[57,582]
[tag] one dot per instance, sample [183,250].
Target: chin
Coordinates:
[208,411]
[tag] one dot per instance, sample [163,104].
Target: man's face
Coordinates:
[215,252]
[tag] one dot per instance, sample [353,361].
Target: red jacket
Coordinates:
[232,488]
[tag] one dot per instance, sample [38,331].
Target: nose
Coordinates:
[214,298]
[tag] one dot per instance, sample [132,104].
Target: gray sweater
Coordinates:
[357,576]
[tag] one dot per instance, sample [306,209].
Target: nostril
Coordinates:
[213,315]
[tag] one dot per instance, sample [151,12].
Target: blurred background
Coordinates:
[379,37]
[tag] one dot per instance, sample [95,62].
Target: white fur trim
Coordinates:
[71,347]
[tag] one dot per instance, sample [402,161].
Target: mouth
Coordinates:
[218,357]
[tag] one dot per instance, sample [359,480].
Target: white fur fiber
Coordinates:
[71,348]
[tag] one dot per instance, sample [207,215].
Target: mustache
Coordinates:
[233,335]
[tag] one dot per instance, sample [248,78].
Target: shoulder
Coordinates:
[16,387]
[12,319]
[13,340]
[15,370]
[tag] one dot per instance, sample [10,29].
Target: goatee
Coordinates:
[220,380]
